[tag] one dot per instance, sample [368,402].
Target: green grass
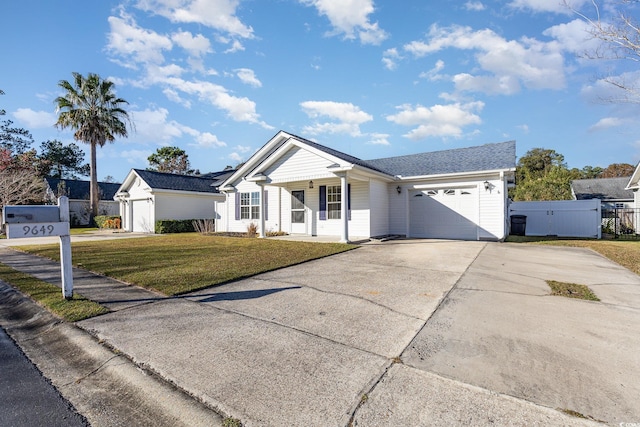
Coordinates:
[178,263]
[624,252]
[571,290]
[83,230]
[50,296]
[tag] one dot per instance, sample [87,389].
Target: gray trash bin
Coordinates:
[518,225]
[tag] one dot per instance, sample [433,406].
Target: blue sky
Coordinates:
[372,78]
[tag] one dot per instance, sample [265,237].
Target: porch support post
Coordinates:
[262,234]
[344,213]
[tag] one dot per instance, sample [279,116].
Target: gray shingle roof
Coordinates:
[79,190]
[471,159]
[602,188]
[170,181]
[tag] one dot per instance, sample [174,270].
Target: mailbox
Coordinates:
[30,214]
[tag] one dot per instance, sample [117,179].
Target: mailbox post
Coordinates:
[44,221]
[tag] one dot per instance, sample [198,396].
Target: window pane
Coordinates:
[244,212]
[297,217]
[255,212]
[244,198]
[297,200]
[255,198]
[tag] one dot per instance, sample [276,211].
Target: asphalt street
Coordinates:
[26,397]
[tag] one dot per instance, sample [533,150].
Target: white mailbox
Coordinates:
[30,214]
[44,221]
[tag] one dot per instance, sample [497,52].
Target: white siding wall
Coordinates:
[183,206]
[298,163]
[379,208]
[273,222]
[398,208]
[492,209]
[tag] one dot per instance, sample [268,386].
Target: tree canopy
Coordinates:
[63,161]
[92,110]
[170,160]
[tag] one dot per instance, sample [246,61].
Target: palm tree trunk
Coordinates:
[94,192]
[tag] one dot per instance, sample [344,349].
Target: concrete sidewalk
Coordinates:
[327,342]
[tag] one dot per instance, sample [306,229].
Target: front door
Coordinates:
[298,214]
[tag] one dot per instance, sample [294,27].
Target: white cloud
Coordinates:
[240,109]
[136,44]
[207,139]
[524,128]
[196,45]
[438,120]
[35,119]
[379,139]
[604,91]
[247,76]
[346,117]
[434,73]
[390,58]
[507,63]
[546,5]
[236,157]
[153,126]
[573,36]
[217,14]
[475,6]
[242,148]
[606,123]
[350,18]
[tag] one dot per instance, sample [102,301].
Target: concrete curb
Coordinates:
[103,385]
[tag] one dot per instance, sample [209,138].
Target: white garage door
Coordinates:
[141,216]
[450,213]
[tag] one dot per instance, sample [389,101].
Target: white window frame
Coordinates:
[250,205]
[334,202]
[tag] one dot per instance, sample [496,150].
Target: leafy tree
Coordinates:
[170,160]
[91,108]
[109,179]
[65,161]
[590,172]
[537,163]
[617,170]
[16,140]
[554,185]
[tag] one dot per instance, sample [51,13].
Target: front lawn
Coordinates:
[180,263]
[624,252]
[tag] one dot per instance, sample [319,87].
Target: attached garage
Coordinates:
[444,213]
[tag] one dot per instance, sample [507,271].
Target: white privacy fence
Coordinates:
[562,218]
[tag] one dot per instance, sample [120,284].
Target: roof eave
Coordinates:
[456,174]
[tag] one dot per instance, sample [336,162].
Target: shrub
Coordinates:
[108,221]
[204,226]
[166,226]
[252,229]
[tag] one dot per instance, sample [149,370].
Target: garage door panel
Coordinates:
[444,214]
[141,216]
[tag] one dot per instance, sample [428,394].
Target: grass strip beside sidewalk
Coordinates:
[175,264]
[50,296]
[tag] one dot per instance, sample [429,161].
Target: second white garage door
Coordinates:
[450,213]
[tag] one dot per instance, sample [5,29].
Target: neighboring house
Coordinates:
[146,197]
[301,187]
[611,191]
[78,193]
[634,185]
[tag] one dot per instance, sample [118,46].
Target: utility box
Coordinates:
[30,214]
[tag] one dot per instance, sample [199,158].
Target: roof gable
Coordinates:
[634,181]
[601,188]
[79,190]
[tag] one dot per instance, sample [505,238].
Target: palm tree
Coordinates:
[91,108]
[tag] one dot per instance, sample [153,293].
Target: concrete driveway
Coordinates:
[401,333]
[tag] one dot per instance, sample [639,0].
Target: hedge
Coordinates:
[165,226]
